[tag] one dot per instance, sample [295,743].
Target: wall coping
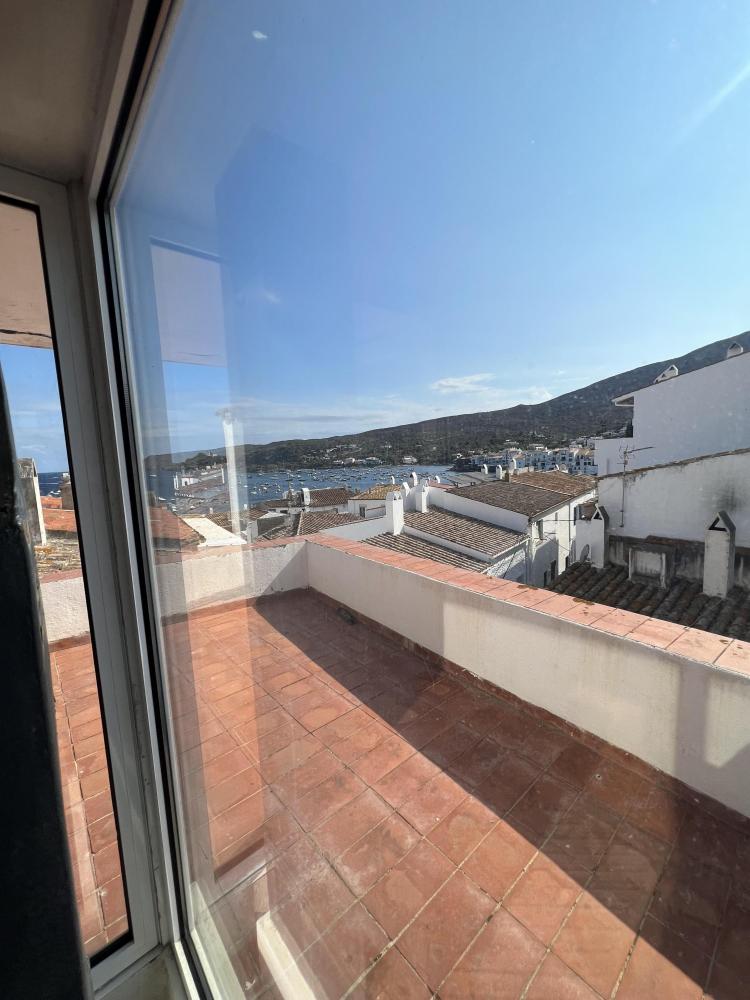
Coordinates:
[719,652]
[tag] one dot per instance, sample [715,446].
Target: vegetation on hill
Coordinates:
[584,411]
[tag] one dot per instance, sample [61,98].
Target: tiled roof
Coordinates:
[308,522]
[164,525]
[467,531]
[61,521]
[325,498]
[560,482]
[55,502]
[378,492]
[224,520]
[168,527]
[528,500]
[412,546]
[682,603]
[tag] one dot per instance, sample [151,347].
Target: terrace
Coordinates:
[440,798]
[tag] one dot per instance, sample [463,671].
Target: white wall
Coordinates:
[679,501]
[358,531]
[687,718]
[699,413]
[608,455]
[197,581]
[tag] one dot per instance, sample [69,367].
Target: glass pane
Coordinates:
[27,356]
[432,318]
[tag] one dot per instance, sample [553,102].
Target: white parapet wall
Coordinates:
[688,718]
[200,579]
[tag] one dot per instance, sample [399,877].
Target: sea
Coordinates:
[49,482]
[256,487]
[259,486]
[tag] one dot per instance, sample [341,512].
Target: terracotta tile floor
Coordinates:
[380,829]
[89,816]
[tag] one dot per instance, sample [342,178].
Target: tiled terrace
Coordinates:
[404,834]
[385,830]
[89,816]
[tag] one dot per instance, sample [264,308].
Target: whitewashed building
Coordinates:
[682,416]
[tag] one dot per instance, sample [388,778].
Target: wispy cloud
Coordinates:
[463,383]
[709,107]
[259,36]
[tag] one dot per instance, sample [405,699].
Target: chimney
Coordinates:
[421,498]
[32,502]
[394,513]
[393,480]
[66,491]
[485,470]
[305,496]
[718,556]
[413,479]
[734,349]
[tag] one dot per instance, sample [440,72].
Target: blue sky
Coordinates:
[426,207]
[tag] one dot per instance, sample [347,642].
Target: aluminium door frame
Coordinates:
[92,449]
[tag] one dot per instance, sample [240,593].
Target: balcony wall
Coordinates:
[686,716]
[677,698]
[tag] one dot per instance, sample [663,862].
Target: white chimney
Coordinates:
[437,479]
[413,479]
[734,349]
[421,498]
[394,513]
[718,556]
[393,480]
[32,501]
[485,470]
[305,496]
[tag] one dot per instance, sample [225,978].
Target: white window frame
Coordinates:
[93,457]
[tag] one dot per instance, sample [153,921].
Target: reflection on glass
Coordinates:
[28,363]
[385,269]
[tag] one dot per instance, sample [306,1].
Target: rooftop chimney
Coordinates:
[32,502]
[734,349]
[66,492]
[413,479]
[305,496]
[421,498]
[718,556]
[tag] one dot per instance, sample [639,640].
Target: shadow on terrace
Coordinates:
[367,820]
[376,821]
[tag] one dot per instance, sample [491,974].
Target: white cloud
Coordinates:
[463,383]
[259,36]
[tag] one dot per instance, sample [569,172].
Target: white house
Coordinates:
[682,416]
[540,505]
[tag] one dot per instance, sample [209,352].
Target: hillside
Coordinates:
[583,411]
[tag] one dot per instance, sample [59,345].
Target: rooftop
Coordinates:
[377,492]
[59,521]
[561,482]
[332,497]
[306,522]
[683,603]
[422,549]
[467,531]
[398,831]
[224,519]
[168,527]
[515,496]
